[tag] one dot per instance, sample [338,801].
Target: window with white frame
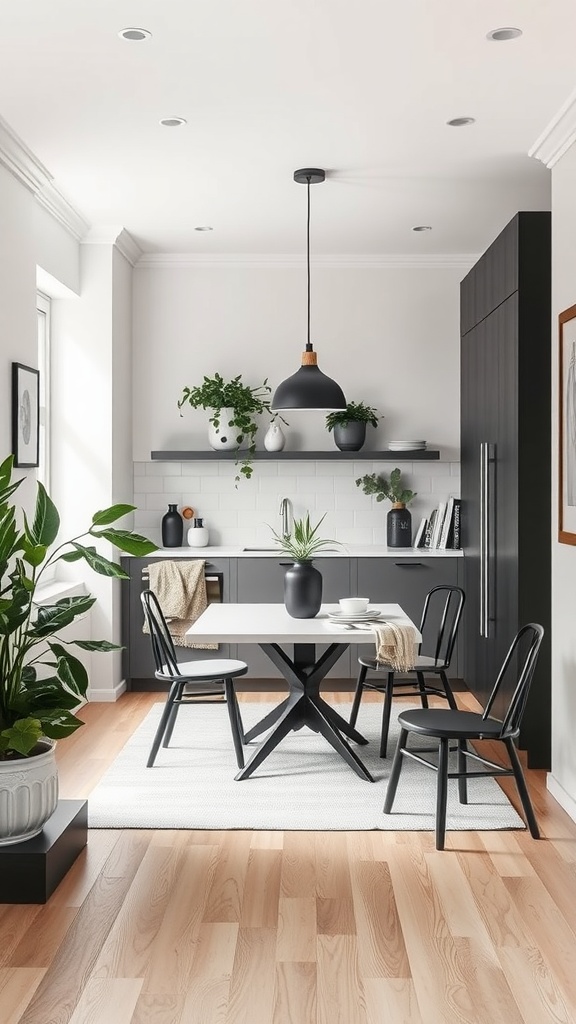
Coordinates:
[43,313]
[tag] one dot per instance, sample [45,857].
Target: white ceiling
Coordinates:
[362,89]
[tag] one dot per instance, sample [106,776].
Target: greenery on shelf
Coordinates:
[303,542]
[246,402]
[355,412]
[392,489]
[33,707]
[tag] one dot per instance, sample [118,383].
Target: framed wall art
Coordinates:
[567,427]
[25,415]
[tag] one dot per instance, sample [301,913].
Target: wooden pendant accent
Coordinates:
[309,359]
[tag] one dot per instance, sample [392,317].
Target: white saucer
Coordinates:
[359,617]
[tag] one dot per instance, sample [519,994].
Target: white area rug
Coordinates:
[302,785]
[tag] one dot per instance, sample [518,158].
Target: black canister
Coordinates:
[399,527]
[172,528]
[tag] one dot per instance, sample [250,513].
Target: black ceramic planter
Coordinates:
[302,590]
[349,437]
[399,527]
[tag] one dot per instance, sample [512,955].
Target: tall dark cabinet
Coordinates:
[506,461]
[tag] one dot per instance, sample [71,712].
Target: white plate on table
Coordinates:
[360,617]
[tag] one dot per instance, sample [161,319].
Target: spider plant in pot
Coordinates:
[234,408]
[302,580]
[399,519]
[349,425]
[42,682]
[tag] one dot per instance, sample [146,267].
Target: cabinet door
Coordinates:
[138,662]
[406,581]
[262,579]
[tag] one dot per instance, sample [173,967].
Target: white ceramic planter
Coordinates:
[28,794]
[223,437]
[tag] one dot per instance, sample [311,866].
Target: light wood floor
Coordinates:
[162,927]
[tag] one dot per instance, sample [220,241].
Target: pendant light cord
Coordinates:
[308,344]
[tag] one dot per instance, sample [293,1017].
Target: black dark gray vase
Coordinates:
[172,528]
[399,527]
[349,437]
[302,590]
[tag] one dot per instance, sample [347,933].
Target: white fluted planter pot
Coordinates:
[28,794]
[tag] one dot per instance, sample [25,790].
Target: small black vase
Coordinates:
[349,437]
[302,590]
[172,528]
[399,527]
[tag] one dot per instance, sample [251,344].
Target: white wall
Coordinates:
[562,779]
[389,335]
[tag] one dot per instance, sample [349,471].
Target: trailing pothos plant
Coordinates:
[33,703]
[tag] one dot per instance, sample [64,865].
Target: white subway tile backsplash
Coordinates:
[243,515]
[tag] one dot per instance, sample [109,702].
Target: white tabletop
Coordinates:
[271,623]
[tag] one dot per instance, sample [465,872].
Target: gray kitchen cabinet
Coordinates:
[406,581]
[262,579]
[137,659]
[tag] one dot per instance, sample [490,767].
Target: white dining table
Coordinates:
[273,629]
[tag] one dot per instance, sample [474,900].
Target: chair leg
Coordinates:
[441,793]
[234,723]
[395,773]
[386,709]
[238,715]
[422,688]
[175,692]
[522,789]
[462,780]
[358,694]
[171,721]
[448,691]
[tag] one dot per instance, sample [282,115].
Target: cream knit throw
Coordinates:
[181,591]
[395,645]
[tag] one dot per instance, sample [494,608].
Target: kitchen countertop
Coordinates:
[346,551]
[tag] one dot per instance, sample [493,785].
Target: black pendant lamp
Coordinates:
[309,388]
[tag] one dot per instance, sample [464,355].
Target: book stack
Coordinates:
[441,529]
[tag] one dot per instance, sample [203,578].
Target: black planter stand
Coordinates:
[31,871]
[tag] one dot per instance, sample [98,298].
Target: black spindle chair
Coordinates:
[191,682]
[462,726]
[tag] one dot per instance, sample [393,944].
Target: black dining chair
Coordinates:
[191,682]
[439,625]
[462,726]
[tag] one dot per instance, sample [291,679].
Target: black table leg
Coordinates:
[305,706]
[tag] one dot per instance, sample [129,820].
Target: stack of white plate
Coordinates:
[406,446]
[371,613]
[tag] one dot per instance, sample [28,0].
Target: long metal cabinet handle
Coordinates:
[486,512]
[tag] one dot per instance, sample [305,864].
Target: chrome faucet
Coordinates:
[285,512]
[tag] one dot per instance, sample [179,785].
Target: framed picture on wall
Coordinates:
[567,427]
[25,415]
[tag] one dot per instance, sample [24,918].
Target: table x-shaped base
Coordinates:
[304,706]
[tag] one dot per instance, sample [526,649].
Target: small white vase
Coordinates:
[223,437]
[198,534]
[274,439]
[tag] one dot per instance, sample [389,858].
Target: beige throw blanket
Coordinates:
[181,591]
[395,645]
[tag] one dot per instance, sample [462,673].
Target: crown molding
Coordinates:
[27,169]
[434,261]
[110,234]
[558,135]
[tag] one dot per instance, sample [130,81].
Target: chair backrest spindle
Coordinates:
[444,605]
[525,647]
[162,643]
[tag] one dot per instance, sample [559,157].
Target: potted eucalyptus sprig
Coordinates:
[302,580]
[42,682]
[234,407]
[349,425]
[399,519]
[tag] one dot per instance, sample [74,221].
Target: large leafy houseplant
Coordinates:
[37,704]
[246,403]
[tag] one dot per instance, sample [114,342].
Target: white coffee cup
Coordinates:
[353,605]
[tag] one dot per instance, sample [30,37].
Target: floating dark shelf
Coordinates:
[324,456]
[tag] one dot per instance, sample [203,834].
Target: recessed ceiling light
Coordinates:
[135,35]
[459,122]
[422,227]
[204,228]
[173,122]
[501,35]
